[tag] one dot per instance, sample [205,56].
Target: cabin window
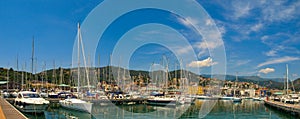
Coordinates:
[31,95]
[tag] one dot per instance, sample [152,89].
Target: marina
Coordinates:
[131,59]
[222,109]
[247,108]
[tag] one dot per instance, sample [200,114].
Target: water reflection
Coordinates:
[222,109]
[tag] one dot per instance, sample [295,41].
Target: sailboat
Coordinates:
[165,99]
[53,93]
[188,99]
[73,103]
[236,99]
[289,98]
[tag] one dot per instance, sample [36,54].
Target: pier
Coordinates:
[291,108]
[8,111]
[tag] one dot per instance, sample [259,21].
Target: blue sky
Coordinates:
[260,37]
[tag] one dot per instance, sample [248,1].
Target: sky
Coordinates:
[259,37]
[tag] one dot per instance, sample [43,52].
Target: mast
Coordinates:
[124,79]
[109,68]
[287,79]
[78,57]
[54,72]
[46,76]
[22,79]
[62,77]
[18,69]
[236,79]
[32,59]
[175,71]
[83,55]
[35,68]
[181,69]
[181,72]
[7,78]
[98,69]
[119,73]
[26,77]
[43,73]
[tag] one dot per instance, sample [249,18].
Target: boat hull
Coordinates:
[161,102]
[30,108]
[28,101]
[226,98]
[79,106]
[237,99]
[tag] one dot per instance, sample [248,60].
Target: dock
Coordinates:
[291,108]
[9,111]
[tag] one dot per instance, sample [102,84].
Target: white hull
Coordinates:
[37,108]
[162,101]
[235,99]
[226,98]
[189,100]
[77,104]
[170,101]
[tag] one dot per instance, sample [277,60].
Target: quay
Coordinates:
[8,111]
[291,108]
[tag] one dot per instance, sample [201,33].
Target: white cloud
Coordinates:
[189,21]
[263,38]
[280,10]
[266,70]
[242,62]
[278,60]
[271,53]
[222,29]
[240,9]
[184,50]
[257,27]
[207,44]
[208,22]
[203,63]
[221,26]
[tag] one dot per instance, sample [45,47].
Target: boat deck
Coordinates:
[293,108]
[9,111]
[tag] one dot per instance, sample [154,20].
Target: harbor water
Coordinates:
[247,109]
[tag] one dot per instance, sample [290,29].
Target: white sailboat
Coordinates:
[187,98]
[289,98]
[165,99]
[236,99]
[77,104]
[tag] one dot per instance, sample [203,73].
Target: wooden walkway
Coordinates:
[293,108]
[9,111]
